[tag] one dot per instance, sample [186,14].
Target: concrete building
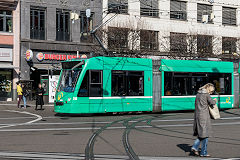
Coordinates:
[9,49]
[215,22]
[53,31]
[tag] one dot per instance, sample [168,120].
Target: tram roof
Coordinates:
[196,66]
[118,60]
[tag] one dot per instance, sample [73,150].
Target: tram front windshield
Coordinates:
[69,80]
[70,75]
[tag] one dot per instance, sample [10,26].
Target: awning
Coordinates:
[7,66]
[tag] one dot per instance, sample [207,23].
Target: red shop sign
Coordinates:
[59,57]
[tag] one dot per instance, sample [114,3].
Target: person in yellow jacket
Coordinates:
[19,92]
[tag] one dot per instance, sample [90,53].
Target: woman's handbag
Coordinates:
[214,112]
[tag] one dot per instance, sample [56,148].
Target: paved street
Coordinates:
[30,134]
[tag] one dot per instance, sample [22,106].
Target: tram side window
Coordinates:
[119,86]
[84,88]
[127,83]
[95,84]
[135,84]
[187,84]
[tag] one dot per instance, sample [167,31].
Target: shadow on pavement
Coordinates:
[186,148]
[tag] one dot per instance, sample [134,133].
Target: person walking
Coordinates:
[19,92]
[25,94]
[202,121]
[39,98]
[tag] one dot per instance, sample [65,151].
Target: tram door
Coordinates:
[96,91]
[90,92]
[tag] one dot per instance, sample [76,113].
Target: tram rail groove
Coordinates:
[89,154]
[125,138]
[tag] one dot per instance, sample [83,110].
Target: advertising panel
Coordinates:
[6,54]
[52,87]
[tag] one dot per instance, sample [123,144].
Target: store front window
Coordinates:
[187,84]
[5,85]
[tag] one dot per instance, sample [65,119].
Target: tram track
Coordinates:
[89,154]
[89,150]
[125,138]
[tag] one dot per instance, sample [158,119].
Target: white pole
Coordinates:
[77,54]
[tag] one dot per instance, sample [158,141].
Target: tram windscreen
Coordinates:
[68,80]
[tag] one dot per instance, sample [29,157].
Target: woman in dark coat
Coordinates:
[202,121]
[39,96]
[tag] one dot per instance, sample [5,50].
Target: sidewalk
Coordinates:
[29,103]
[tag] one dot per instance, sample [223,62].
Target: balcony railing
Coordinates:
[179,15]
[151,12]
[37,34]
[63,36]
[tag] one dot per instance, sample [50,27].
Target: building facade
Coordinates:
[164,26]
[9,49]
[53,31]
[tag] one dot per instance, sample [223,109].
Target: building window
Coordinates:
[178,42]
[204,13]
[149,8]
[118,6]
[117,38]
[37,23]
[86,25]
[6,24]
[229,16]
[229,45]
[204,44]
[127,83]
[62,25]
[178,10]
[148,40]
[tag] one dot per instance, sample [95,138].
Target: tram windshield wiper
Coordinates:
[77,65]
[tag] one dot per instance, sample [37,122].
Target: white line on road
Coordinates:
[18,124]
[106,122]
[109,128]
[66,156]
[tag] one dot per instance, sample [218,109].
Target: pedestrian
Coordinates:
[202,121]
[39,96]
[19,92]
[25,94]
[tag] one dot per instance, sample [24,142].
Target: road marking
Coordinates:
[101,122]
[122,127]
[105,122]
[66,156]
[26,123]
[50,117]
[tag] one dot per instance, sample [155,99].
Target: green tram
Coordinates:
[121,84]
